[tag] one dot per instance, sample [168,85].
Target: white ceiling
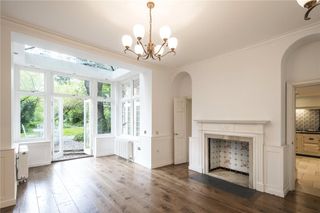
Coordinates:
[204,28]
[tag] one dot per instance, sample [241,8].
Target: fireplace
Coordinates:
[244,131]
[230,159]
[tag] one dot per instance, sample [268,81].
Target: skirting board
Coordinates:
[7,203]
[196,169]
[275,191]
[161,164]
[45,163]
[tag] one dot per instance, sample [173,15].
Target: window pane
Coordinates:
[136,87]
[104,117]
[31,117]
[31,81]
[70,86]
[104,90]
[126,118]
[137,117]
[125,90]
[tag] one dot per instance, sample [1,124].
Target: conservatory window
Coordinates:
[31,117]
[70,86]
[130,107]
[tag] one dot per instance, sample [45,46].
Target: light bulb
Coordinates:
[138,49]
[138,31]
[302,3]
[126,41]
[165,32]
[172,43]
[157,48]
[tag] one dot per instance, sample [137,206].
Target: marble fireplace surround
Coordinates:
[236,128]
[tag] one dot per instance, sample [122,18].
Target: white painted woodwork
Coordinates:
[290,133]
[7,178]
[180,131]
[248,129]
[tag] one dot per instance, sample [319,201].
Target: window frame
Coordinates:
[18,93]
[132,99]
[104,99]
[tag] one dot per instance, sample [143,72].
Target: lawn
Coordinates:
[72,131]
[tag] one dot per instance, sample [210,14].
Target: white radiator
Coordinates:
[125,149]
[22,163]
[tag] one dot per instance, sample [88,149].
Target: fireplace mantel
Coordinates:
[234,121]
[253,129]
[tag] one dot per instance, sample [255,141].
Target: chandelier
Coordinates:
[308,4]
[150,50]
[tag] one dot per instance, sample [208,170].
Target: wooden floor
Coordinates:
[111,184]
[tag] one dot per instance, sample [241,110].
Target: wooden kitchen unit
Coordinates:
[308,143]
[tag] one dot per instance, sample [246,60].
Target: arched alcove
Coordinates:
[182,85]
[182,122]
[300,67]
[301,63]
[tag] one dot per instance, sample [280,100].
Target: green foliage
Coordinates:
[31,113]
[72,112]
[72,131]
[79,137]
[104,89]
[71,86]
[104,117]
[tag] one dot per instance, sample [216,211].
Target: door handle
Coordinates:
[176,134]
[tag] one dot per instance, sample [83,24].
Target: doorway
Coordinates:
[182,122]
[307,138]
[71,128]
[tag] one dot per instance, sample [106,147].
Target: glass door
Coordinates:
[87,127]
[57,128]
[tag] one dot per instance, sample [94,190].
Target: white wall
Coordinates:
[303,62]
[247,84]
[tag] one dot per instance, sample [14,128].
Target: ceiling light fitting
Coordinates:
[150,50]
[308,4]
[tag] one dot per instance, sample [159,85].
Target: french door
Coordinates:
[87,127]
[57,127]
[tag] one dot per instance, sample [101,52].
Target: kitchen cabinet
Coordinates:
[308,144]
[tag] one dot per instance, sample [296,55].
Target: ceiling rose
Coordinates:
[150,50]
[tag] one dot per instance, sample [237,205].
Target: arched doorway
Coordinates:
[182,105]
[301,71]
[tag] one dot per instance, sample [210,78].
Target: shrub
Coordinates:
[78,137]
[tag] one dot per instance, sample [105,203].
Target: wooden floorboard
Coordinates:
[111,184]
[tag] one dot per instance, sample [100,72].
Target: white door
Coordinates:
[290,133]
[180,131]
[57,147]
[87,127]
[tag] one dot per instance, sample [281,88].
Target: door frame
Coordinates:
[60,127]
[291,129]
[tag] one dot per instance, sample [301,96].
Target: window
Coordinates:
[130,107]
[104,118]
[31,81]
[31,117]
[70,86]
[104,90]
[30,103]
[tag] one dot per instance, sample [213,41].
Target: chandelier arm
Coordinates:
[306,16]
[171,51]
[162,45]
[130,50]
[144,50]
